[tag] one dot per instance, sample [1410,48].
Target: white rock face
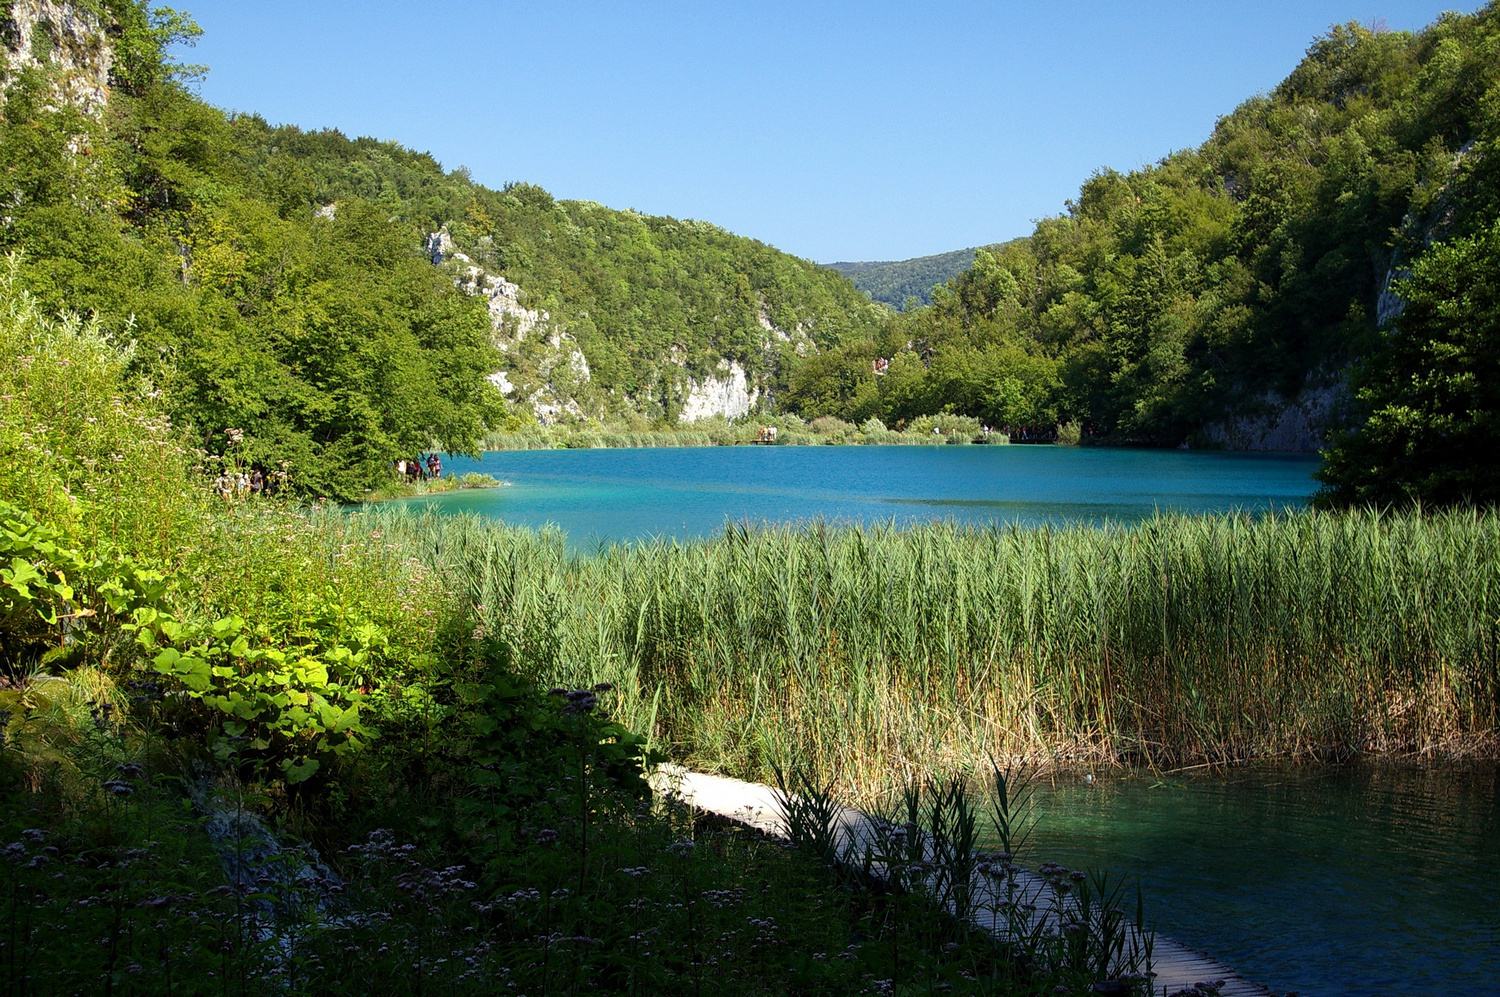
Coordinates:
[508,316]
[549,409]
[563,367]
[1389,306]
[769,326]
[440,246]
[551,390]
[69,39]
[729,396]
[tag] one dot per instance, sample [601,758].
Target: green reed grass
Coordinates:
[873,652]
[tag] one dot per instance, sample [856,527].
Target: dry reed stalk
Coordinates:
[869,650]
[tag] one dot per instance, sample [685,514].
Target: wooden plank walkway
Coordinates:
[1176,966]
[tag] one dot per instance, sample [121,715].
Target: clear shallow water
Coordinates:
[1366,880]
[690,492]
[1354,881]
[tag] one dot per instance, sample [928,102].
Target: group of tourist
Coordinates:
[420,469]
[242,484]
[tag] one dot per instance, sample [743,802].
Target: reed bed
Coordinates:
[881,652]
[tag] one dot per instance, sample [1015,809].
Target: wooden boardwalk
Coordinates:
[1176,966]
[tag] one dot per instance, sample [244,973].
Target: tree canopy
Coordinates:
[1432,391]
[1176,298]
[276,283]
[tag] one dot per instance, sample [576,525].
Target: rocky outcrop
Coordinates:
[1299,425]
[1304,422]
[559,371]
[729,396]
[64,39]
[1417,232]
[511,320]
[801,342]
[548,372]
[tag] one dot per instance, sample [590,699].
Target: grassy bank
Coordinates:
[719,432]
[873,651]
[256,747]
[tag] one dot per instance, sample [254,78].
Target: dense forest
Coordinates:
[275,281]
[899,283]
[279,287]
[1263,267]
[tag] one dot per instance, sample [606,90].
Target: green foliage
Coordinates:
[83,444]
[278,285]
[34,581]
[233,662]
[47,587]
[1433,391]
[116,536]
[333,346]
[900,283]
[635,290]
[290,704]
[1173,297]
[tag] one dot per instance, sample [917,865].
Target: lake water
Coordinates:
[692,491]
[1333,881]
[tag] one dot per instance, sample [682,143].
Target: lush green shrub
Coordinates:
[951,428]
[1432,391]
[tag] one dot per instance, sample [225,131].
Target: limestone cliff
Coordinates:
[1299,424]
[542,367]
[1304,422]
[729,395]
[63,39]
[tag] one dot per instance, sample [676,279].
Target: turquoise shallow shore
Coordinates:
[613,495]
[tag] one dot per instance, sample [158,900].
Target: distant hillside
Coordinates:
[1231,295]
[894,282]
[328,304]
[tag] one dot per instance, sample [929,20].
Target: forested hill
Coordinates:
[325,305]
[897,282]
[282,282]
[1221,295]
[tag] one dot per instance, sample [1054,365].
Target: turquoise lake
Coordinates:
[619,495]
[1333,882]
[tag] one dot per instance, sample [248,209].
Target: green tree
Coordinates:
[1433,390]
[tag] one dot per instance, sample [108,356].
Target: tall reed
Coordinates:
[874,652]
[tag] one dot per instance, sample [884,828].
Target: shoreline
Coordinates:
[686,439]
[470,481]
[551,439]
[1175,966]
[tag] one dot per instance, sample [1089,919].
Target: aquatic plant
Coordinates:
[919,851]
[877,652]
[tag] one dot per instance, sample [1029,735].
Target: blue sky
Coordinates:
[836,131]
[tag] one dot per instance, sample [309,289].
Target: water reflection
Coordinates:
[1364,879]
